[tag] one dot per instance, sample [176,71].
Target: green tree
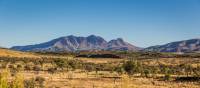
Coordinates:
[130,67]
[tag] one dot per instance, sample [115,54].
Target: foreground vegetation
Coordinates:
[132,70]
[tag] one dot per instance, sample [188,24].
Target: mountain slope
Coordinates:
[73,43]
[191,45]
[120,44]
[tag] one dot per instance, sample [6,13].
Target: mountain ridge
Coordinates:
[74,43]
[190,45]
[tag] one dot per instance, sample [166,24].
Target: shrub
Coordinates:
[4,65]
[13,70]
[89,68]
[27,67]
[19,67]
[30,83]
[167,77]
[130,67]
[40,81]
[146,72]
[60,63]
[36,68]
[37,82]
[52,70]
[119,70]
[73,64]
[167,72]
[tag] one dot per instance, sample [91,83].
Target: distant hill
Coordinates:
[192,45]
[74,43]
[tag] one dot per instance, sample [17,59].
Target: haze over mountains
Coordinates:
[74,43]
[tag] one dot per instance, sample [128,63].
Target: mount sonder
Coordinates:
[73,43]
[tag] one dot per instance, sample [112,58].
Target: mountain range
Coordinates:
[191,45]
[74,43]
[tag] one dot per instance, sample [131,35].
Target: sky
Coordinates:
[140,22]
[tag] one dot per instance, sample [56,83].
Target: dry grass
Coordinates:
[100,60]
[104,79]
[77,79]
[11,53]
[172,61]
[19,54]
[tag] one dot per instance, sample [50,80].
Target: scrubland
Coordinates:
[36,70]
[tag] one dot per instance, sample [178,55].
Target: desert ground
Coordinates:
[36,70]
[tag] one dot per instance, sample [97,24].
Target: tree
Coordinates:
[130,67]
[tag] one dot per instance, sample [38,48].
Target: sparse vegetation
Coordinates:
[64,71]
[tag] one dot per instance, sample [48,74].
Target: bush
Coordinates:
[40,81]
[27,67]
[131,67]
[69,64]
[60,63]
[167,77]
[167,72]
[37,82]
[89,67]
[73,64]
[119,70]
[4,65]
[29,83]
[146,72]
[52,70]
[36,68]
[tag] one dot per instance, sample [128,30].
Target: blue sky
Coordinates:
[140,22]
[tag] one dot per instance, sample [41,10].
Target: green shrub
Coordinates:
[167,77]
[146,72]
[60,63]
[132,67]
[119,70]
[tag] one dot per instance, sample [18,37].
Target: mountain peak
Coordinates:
[92,36]
[120,39]
[71,36]
[120,44]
